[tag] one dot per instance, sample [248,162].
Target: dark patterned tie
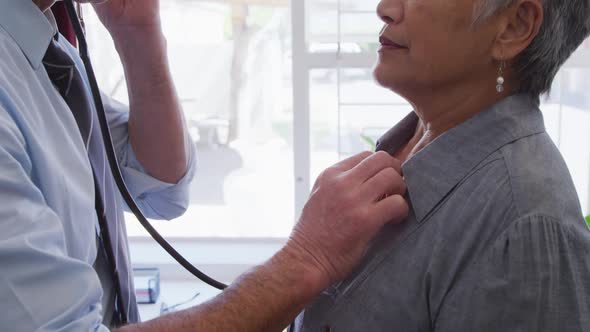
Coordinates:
[112,244]
[64,75]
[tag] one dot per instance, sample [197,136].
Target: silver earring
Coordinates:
[500,79]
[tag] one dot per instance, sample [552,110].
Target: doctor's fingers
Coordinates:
[340,170]
[387,182]
[373,165]
[351,162]
[392,209]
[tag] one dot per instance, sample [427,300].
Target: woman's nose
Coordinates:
[390,11]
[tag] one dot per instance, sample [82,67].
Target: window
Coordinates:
[232,63]
[231,69]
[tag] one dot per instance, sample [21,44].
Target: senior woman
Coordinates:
[495,240]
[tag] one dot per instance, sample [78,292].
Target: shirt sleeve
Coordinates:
[41,288]
[157,199]
[534,278]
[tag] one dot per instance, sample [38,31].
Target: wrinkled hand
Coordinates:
[120,16]
[349,204]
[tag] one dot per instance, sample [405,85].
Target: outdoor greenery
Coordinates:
[371,144]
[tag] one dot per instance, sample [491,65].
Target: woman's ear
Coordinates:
[519,25]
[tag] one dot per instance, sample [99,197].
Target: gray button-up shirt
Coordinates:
[495,240]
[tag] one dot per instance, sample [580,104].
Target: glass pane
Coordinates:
[365,6]
[232,70]
[361,126]
[343,26]
[349,112]
[567,118]
[357,86]
[360,27]
[322,28]
[323,120]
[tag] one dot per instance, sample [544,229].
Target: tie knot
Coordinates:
[59,66]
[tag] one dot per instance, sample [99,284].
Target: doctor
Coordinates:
[55,270]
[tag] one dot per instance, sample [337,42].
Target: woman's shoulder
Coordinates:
[538,242]
[539,178]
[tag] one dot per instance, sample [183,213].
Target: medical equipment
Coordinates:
[147,285]
[112,159]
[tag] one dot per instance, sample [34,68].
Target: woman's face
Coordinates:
[429,44]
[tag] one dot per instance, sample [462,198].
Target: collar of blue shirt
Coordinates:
[435,170]
[30,28]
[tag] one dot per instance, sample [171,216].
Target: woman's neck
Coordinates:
[440,112]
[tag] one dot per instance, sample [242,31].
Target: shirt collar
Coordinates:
[436,169]
[30,28]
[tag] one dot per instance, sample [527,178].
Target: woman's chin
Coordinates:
[385,78]
[395,83]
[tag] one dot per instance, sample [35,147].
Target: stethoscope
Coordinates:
[114,165]
[112,159]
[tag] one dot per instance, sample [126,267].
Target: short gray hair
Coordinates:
[565,26]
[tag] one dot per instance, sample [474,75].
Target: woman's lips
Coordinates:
[387,44]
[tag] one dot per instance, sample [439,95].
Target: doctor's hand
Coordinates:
[349,204]
[122,17]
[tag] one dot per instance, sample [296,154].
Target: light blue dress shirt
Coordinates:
[47,216]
